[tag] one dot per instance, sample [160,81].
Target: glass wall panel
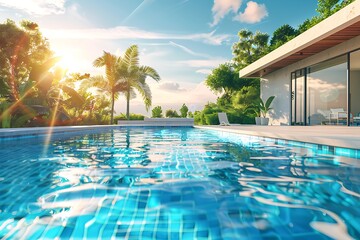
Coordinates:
[355,88]
[293,106]
[300,93]
[297,97]
[327,92]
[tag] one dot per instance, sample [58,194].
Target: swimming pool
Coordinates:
[174,183]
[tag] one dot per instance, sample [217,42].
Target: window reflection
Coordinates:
[297,97]
[355,88]
[327,92]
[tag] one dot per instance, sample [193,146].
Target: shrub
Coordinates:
[171,114]
[184,111]
[211,119]
[133,116]
[156,112]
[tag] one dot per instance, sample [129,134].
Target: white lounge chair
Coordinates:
[338,114]
[223,120]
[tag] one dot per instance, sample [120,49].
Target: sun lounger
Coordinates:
[223,120]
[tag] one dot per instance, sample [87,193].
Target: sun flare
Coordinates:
[68,60]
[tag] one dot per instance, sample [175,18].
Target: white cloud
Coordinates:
[124,32]
[36,7]
[253,13]
[171,86]
[209,63]
[222,8]
[204,71]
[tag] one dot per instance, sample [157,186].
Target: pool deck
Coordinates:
[337,136]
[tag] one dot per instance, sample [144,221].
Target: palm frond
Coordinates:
[100,61]
[97,81]
[131,56]
[120,86]
[149,72]
[76,100]
[145,92]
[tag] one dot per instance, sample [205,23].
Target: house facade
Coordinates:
[315,77]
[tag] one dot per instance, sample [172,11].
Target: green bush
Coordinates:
[197,118]
[133,116]
[209,116]
[211,119]
[171,114]
[157,112]
[184,111]
[240,118]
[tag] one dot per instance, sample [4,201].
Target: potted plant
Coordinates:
[255,109]
[264,109]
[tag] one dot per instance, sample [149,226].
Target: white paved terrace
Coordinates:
[338,136]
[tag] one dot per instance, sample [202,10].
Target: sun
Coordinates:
[69,61]
[66,62]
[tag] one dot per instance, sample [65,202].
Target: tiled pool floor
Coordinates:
[177,183]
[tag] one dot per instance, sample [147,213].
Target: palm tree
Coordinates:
[123,75]
[135,76]
[112,83]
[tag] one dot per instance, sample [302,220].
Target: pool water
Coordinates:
[174,183]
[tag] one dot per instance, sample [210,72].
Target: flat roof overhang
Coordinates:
[336,29]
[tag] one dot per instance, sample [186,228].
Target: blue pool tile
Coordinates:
[121,234]
[159,185]
[175,235]
[108,231]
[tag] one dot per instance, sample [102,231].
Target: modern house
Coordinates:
[315,76]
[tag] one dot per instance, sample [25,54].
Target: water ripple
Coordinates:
[175,183]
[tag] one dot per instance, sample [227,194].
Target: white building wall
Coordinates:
[277,83]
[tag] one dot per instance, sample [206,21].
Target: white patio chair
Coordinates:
[223,120]
[338,114]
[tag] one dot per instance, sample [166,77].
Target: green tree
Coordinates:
[224,79]
[156,112]
[247,95]
[282,35]
[32,85]
[112,83]
[249,48]
[324,7]
[308,23]
[171,114]
[124,75]
[21,47]
[134,76]
[184,111]
[100,110]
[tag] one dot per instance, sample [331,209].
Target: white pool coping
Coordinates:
[336,136]
[159,122]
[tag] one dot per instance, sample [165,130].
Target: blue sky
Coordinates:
[182,39]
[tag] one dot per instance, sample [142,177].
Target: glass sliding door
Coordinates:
[297,97]
[327,92]
[293,103]
[355,88]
